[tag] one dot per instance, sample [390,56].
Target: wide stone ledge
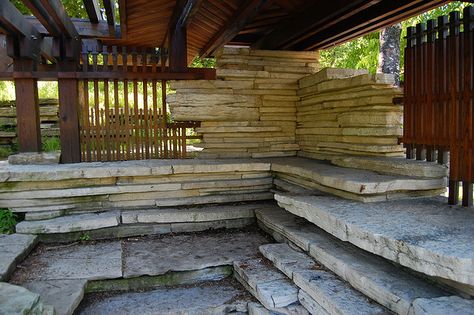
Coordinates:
[13,249]
[426,235]
[18,300]
[355,181]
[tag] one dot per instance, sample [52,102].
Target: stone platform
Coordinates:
[426,235]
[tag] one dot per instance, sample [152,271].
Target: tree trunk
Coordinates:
[389,54]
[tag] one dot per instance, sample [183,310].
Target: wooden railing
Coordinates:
[438,97]
[123,108]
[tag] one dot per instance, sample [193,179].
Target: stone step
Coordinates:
[355,184]
[14,248]
[372,275]
[327,291]
[206,298]
[18,300]
[393,166]
[165,220]
[426,235]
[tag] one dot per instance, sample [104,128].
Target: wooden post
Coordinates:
[27,113]
[178,52]
[69,120]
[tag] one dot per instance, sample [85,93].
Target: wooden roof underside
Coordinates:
[261,24]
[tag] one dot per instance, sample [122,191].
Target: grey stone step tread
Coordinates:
[155,256]
[328,291]
[255,308]
[453,305]
[426,235]
[393,166]
[70,223]
[14,248]
[357,181]
[310,304]
[191,214]
[91,261]
[373,276]
[63,295]
[272,288]
[16,300]
[211,298]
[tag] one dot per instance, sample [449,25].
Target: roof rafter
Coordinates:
[183,13]
[53,16]
[27,41]
[93,10]
[244,15]
[110,13]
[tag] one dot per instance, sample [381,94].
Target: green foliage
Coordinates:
[51,144]
[85,237]
[203,63]
[5,152]
[74,8]
[8,220]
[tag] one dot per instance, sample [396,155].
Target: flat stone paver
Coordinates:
[91,261]
[426,234]
[209,298]
[63,295]
[16,300]
[13,249]
[156,256]
[453,305]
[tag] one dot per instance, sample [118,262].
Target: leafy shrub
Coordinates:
[8,220]
[51,144]
[5,152]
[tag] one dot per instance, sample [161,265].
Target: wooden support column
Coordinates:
[69,120]
[27,113]
[178,50]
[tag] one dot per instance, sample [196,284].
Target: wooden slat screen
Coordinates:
[124,119]
[438,97]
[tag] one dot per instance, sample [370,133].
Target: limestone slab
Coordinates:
[426,235]
[355,181]
[90,261]
[395,166]
[34,158]
[13,249]
[70,223]
[212,298]
[453,305]
[63,295]
[310,304]
[286,259]
[16,300]
[372,275]
[188,252]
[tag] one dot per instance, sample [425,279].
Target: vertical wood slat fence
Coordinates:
[438,97]
[122,118]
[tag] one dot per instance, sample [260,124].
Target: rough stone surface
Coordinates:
[372,275]
[394,166]
[188,252]
[13,249]
[267,284]
[41,158]
[426,235]
[63,295]
[360,182]
[203,214]
[215,298]
[453,305]
[310,304]
[72,223]
[15,300]
[91,261]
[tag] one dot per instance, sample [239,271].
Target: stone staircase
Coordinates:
[337,277]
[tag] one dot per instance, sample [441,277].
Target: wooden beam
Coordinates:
[123,19]
[53,16]
[23,38]
[318,15]
[376,17]
[244,14]
[178,50]
[110,13]
[93,11]
[69,120]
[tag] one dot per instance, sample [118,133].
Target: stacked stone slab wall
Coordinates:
[348,112]
[49,119]
[250,110]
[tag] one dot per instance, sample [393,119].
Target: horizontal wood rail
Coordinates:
[438,97]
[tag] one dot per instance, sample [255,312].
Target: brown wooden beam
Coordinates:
[123,19]
[93,11]
[24,40]
[53,16]
[27,109]
[178,50]
[69,121]
[244,15]
[110,13]
[320,14]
